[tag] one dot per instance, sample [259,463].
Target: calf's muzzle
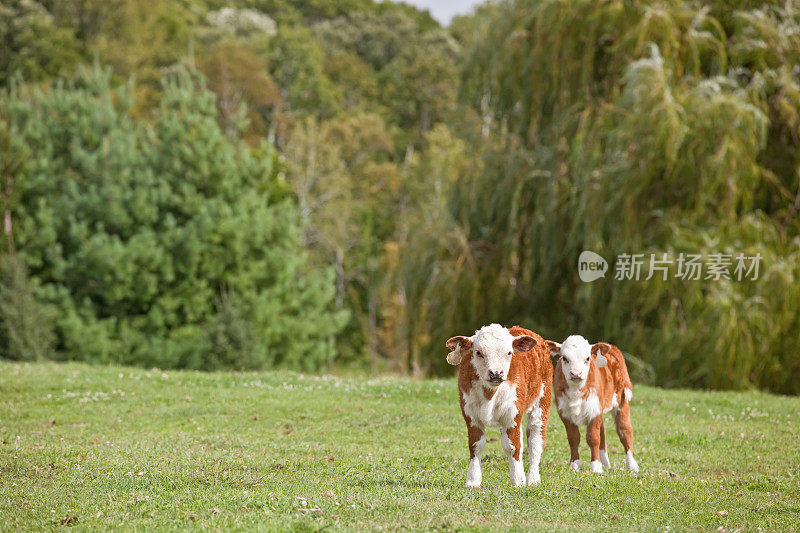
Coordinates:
[496,376]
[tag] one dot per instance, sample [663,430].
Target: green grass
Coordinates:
[111,447]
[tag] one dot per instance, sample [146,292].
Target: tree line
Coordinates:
[308,184]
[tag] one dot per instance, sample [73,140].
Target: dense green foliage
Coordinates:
[26,326]
[621,127]
[443,178]
[168,244]
[130,449]
[33,44]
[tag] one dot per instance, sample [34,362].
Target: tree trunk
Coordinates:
[340,279]
[372,330]
[7,225]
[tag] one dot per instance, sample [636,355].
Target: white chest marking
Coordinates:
[499,411]
[574,408]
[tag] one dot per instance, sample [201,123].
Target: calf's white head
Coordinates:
[491,348]
[576,357]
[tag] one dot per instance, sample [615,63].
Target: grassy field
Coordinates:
[111,447]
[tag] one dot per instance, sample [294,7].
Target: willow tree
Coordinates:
[630,127]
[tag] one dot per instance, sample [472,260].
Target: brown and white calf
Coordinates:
[503,374]
[591,380]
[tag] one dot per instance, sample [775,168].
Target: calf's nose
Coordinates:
[495,374]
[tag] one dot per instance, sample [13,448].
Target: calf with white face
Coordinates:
[503,374]
[591,380]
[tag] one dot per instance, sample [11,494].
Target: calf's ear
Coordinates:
[555,351]
[599,350]
[457,345]
[555,348]
[454,342]
[523,343]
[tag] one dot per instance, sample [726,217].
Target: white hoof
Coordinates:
[604,459]
[474,473]
[597,467]
[575,465]
[533,478]
[630,462]
[516,472]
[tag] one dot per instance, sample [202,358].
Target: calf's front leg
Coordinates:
[511,442]
[477,441]
[574,438]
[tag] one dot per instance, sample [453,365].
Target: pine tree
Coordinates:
[138,233]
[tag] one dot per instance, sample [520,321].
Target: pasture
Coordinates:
[89,447]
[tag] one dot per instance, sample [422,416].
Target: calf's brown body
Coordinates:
[607,388]
[527,389]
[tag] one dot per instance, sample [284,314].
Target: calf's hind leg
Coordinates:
[593,440]
[537,434]
[511,442]
[537,431]
[603,448]
[622,419]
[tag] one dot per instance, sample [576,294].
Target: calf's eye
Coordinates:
[509,353]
